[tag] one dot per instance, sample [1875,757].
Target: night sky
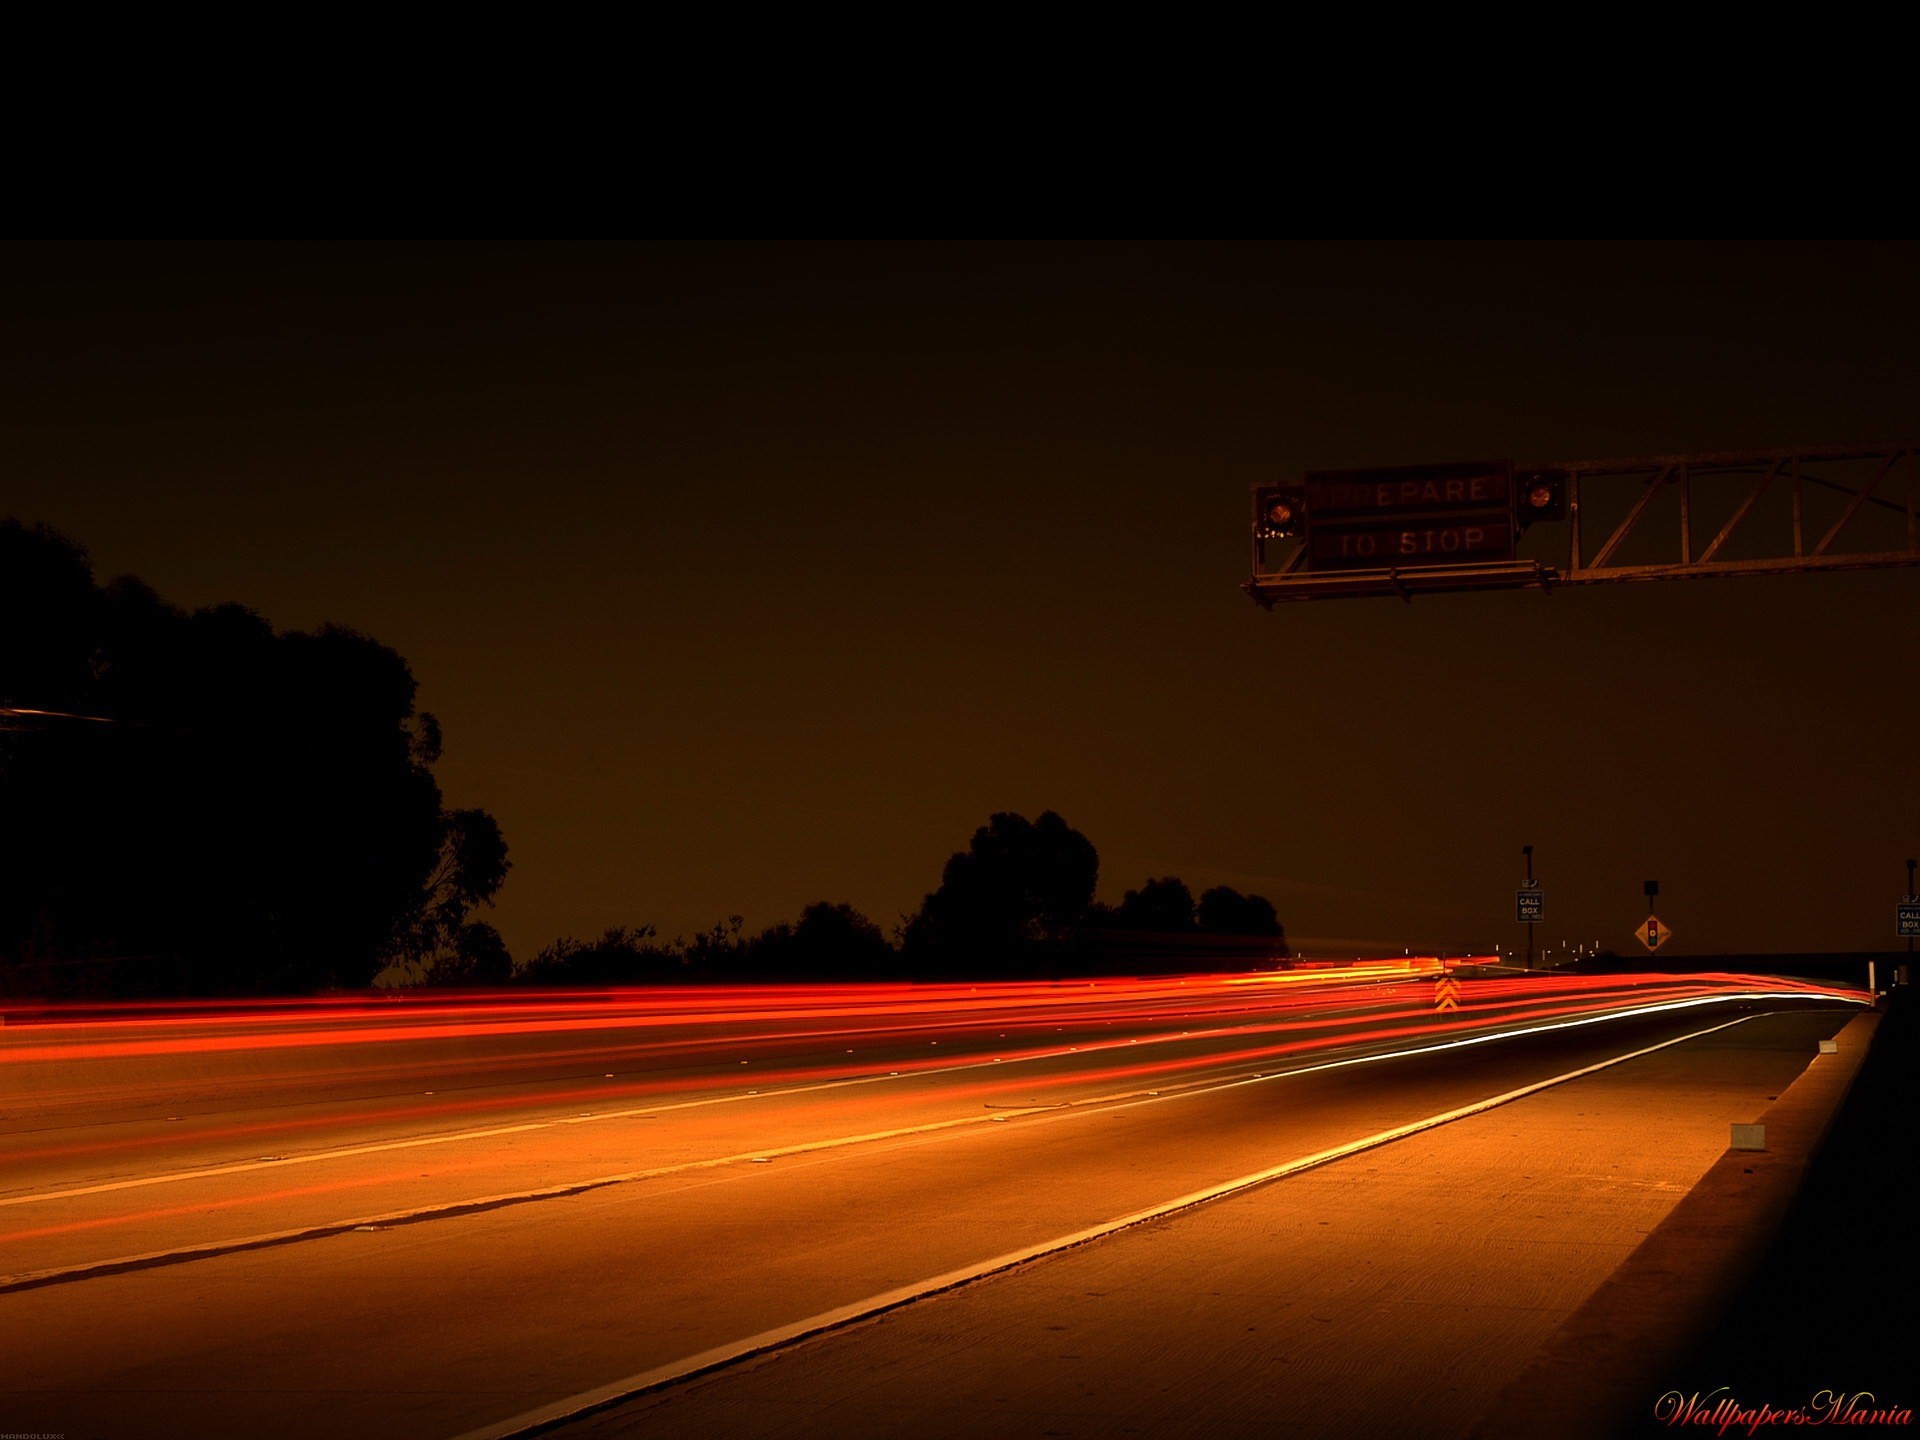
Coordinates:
[743,576]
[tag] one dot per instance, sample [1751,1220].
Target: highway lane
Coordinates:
[1400,1291]
[436,1327]
[120,1098]
[114,1184]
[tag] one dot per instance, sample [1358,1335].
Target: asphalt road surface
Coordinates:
[421,1221]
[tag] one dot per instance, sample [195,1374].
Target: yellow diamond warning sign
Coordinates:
[1653,932]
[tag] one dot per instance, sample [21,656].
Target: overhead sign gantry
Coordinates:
[1496,525]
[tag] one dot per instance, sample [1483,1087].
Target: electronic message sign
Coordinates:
[1409,516]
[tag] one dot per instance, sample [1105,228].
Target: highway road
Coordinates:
[442,1215]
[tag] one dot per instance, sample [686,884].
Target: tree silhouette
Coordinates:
[1165,906]
[1225,911]
[621,956]
[49,607]
[475,956]
[471,867]
[214,806]
[830,942]
[1005,901]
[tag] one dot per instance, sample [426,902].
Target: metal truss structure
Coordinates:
[1666,517]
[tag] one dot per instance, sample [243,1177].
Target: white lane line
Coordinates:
[241,1167]
[674,1372]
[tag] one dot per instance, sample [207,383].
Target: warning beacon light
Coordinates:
[1539,496]
[1280,511]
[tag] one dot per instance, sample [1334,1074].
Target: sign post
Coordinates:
[1652,933]
[1528,902]
[1906,923]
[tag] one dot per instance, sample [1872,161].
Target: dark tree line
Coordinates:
[1016,903]
[192,802]
[833,943]
[1167,907]
[1019,901]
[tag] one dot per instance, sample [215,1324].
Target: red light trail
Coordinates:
[677,1043]
[155,1130]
